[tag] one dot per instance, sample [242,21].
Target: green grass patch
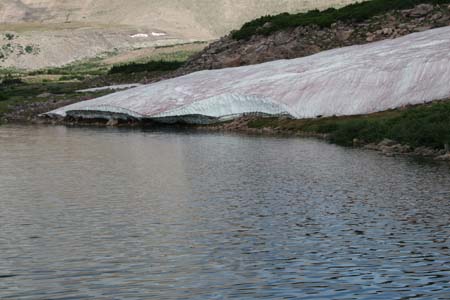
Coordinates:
[181,56]
[24,90]
[11,71]
[10,79]
[95,67]
[161,62]
[76,69]
[354,12]
[25,93]
[89,67]
[424,125]
[181,44]
[151,66]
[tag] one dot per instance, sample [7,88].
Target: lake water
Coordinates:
[132,214]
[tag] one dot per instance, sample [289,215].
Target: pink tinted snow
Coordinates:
[353,80]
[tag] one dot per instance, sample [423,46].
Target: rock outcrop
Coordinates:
[390,148]
[307,40]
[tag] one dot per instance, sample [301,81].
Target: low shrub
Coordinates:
[72,77]
[10,79]
[424,125]
[3,96]
[151,66]
[354,12]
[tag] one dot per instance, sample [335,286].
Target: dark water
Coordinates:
[110,214]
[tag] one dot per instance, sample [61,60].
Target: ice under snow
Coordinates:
[353,80]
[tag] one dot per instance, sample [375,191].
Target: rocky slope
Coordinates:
[307,40]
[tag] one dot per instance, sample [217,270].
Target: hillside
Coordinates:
[187,18]
[288,36]
[64,31]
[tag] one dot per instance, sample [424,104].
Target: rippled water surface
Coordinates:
[123,214]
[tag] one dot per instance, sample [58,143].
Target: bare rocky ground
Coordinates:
[33,49]
[391,148]
[307,40]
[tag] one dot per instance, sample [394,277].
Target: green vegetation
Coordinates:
[5,51]
[22,94]
[72,77]
[424,125]
[354,12]
[10,79]
[22,89]
[9,36]
[95,67]
[79,69]
[151,66]
[181,44]
[181,56]
[29,49]
[161,62]
[6,71]
[91,67]
[13,48]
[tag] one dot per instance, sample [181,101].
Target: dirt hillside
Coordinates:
[61,31]
[187,18]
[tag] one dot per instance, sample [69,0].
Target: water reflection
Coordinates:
[120,214]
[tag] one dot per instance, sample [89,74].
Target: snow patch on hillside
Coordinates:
[347,81]
[139,35]
[146,35]
[159,34]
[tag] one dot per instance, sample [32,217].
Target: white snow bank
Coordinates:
[110,87]
[346,81]
[159,34]
[139,35]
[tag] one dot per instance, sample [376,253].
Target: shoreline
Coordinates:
[421,130]
[385,147]
[243,125]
